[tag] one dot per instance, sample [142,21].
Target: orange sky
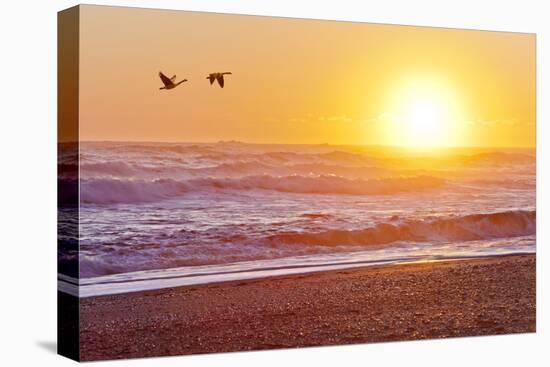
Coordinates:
[301,81]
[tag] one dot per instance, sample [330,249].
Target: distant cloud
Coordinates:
[341,118]
[311,117]
[338,118]
[502,122]
[383,117]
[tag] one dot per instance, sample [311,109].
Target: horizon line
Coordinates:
[311,144]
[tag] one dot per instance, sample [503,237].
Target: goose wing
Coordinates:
[165,80]
[220,80]
[211,77]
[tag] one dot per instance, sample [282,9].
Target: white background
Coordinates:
[28,183]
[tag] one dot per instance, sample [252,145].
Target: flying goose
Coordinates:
[169,83]
[218,77]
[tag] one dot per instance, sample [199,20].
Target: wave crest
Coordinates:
[109,190]
[464,228]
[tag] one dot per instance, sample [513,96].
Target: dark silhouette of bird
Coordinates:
[218,77]
[169,83]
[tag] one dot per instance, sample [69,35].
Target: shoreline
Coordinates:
[177,277]
[435,299]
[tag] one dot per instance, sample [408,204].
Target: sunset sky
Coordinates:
[302,81]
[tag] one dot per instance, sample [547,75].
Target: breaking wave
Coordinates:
[464,228]
[473,232]
[109,190]
[119,169]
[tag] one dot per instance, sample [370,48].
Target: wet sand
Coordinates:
[387,303]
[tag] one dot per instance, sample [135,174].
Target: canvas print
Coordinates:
[234,183]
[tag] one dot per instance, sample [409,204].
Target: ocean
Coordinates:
[155,215]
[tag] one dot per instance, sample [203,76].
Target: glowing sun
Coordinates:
[423,113]
[424,119]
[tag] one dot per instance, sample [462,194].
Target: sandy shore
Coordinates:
[388,303]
